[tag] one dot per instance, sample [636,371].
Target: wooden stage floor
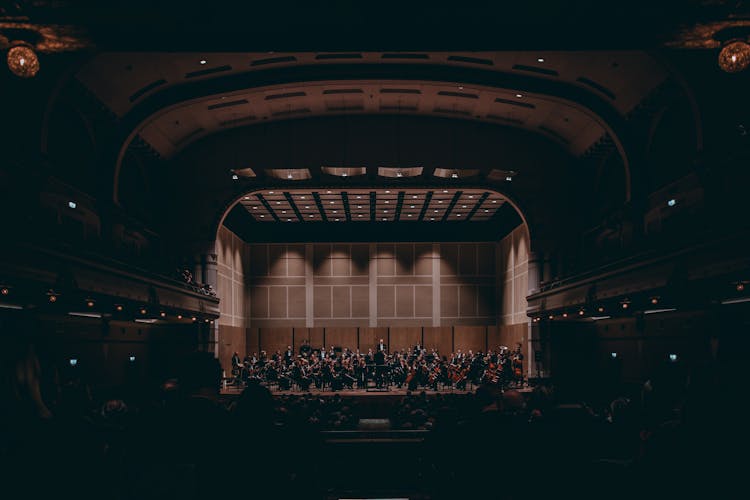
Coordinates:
[231,390]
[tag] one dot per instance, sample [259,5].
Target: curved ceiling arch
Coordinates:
[594,105]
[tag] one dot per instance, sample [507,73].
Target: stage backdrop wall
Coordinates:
[351,294]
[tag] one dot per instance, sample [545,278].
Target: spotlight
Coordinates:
[740,286]
[163,314]
[143,310]
[673,358]
[625,303]
[519,96]
[52,296]
[179,316]
[454,175]
[581,312]
[194,318]
[672,202]
[72,361]
[22,61]
[131,358]
[206,320]
[89,303]
[4,290]
[600,309]
[565,315]
[72,204]
[540,59]
[613,355]
[202,61]
[550,317]
[654,300]
[119,308]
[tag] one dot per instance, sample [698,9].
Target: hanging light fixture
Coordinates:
[23,61]
[734,56]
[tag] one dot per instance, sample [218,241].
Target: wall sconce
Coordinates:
[734,56]
[23,61]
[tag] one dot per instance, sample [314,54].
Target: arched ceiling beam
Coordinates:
[599,109]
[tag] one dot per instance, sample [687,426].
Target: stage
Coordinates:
[233,390]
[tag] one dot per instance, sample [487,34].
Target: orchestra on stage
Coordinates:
[339,368]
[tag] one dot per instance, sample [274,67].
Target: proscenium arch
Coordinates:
[600,110]
[541,190]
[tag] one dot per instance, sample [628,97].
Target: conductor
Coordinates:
[379,358]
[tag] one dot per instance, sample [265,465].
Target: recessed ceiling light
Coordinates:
[411,206]
[359,197]
[471,196]
[330,202]
[440,201]
[387,201]
[399,174]
[270,192]
[278,203]
[335,211]
[359,206]
[283,211]
[539,59]
[255,208]
[463,206]
[337,220]
[460,87]
[409,215]
[436,211]
[203,61]
[302,198]
[387,192]
[343,175]
[289,220]
[458,215]
[454,175]
[386,211]
[445,190]
[246,198]
[360,215]
[384,218]
[328,192]
[289,176]
[432,218]
[414,197]
[311,215]
[519,96]
[261,216]
[486,210]
[494,201]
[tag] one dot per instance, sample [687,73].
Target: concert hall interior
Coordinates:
[373,250]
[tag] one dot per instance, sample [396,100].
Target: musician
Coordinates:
[288,354]
[236,364]
[305,349]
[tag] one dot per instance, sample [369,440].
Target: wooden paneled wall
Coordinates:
[445,339]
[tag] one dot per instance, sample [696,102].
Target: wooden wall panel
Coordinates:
[342,337]
[300,335]
[368,337]
[316,337]
[252,341]
[469,337]
[231,339]
[512,335]
[404,337]
[273,339]
[440,338]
